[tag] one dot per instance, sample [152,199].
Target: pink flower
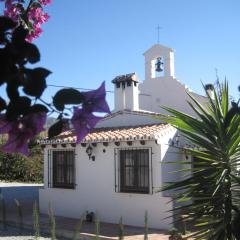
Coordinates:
[94,101]
[45,2]
[83,122]
[12,12]
[21,131]
[35,16]
[45,17]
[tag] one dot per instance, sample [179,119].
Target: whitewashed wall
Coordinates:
[166,91]
[128,119]
[95,191]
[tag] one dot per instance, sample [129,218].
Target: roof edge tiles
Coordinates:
[122,134]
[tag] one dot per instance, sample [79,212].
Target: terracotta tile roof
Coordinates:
[144,132]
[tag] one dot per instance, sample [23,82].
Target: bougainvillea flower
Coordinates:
[5,126]
[45,2]
[95,101]
[37,16]
[12,10]
[20,132]
[34,16]
[83,122]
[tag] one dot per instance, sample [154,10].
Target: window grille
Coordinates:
[133,168]
[61,168]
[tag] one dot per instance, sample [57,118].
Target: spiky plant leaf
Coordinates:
[209,192]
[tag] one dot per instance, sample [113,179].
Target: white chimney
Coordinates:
[126,92]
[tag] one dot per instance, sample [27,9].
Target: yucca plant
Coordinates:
[209,191]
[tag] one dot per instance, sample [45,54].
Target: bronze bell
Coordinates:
[159,65]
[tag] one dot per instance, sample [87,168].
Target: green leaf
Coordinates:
[38,108]
[19,35]
[35,82]
[6,24]
[31,52]
[67,96]
[55,129]
[12,90]
[3,104]
[18,107]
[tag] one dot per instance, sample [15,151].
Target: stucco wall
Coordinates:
[165,91]
[128,119]
[95,190]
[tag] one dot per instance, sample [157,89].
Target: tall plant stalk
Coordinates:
[97,227]
[52,222]
[146,226]
[20,216]
[36,225]
[3,212]
[120,229]
[78,228]
[209,191]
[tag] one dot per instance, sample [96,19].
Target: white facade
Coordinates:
[97,182]
[95,190]
[157,91]
[155,52]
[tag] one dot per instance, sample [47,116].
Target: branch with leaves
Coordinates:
[23,112]
[30,14]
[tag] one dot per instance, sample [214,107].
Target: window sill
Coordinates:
[64,187]
[135,192]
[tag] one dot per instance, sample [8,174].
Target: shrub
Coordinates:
[16,167]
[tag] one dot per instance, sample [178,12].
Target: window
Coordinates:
[63,170]
[134,170]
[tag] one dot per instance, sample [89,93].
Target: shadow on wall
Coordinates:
[170,153]
[26,195]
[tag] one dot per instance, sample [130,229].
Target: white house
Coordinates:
[118,168]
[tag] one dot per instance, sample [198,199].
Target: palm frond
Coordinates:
[209,190]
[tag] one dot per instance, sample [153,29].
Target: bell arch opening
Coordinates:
[157,67]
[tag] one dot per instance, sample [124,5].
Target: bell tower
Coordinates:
[159,62]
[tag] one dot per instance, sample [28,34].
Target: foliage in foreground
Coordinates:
[209,191]
[16,167]
[23,112]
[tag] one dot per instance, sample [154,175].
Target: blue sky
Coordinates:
[86,42]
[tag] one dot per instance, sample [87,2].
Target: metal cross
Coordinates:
[158,30]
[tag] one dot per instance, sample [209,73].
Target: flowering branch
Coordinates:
[23,115]
[30,17]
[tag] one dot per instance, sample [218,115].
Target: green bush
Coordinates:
[16,167]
